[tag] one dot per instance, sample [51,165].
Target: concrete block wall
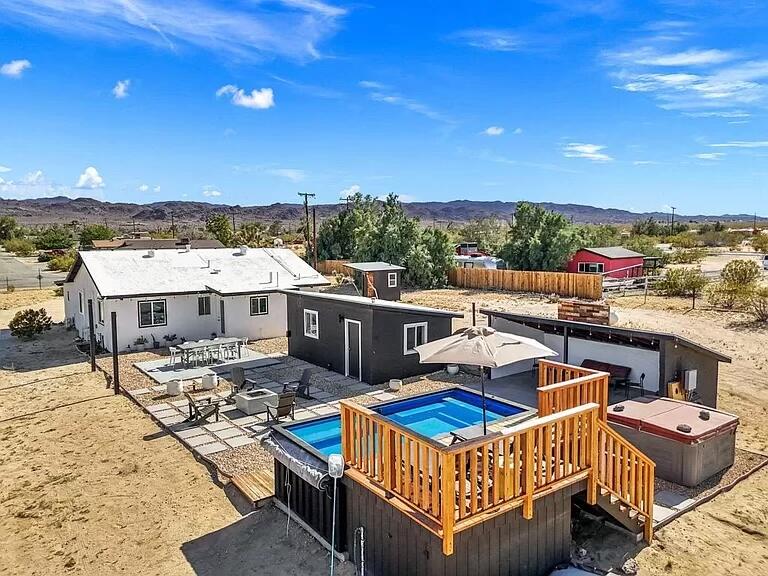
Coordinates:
[584,311]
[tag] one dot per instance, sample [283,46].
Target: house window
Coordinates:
[100,310]
[392,279]
[591,267]
[152,313]
[311,328]
[203,305]
[80,302]
[67,295]
[259,305]
[414,335]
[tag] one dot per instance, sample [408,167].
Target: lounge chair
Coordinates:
[300,387]
[200,410]
[285,405]
[239,383]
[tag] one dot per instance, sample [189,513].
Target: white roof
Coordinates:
[375,302]
[221,270]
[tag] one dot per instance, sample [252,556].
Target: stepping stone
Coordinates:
[325,409]
[139,392]
[386,396]
[180,403]
[246,420]
[191,432]
[229,433]
[217,426]
[257,428]
[155,408]
[211,448]
[196,441]
[161,388]
[240,441]
[173,419]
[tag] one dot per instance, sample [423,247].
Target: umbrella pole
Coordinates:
[482,389]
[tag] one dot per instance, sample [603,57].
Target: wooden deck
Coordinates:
[257,486]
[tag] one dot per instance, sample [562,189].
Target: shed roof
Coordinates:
[227,271]
[153,243]
[375,303]
[618,334]
[614,252]
[373,266]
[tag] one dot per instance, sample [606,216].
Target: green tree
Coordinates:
[95,232]
[218,226]
[8,228]
[253,234]
[275,228]
[683,282]
[645,245]
[597,236]
[339,236]
[430,259]
[489,234]
[648,227]
[538,240]
[55,238]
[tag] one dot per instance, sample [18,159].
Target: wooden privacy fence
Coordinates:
[447,489]
[562,386]
[589,286]
[329,266]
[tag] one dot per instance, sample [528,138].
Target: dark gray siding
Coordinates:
[383,291]
[676,360]
[506,545]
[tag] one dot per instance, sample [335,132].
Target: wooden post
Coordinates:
[474,317]
[447,481]
[115,363]
[528,474]
[593,457]
[386,461]
[566,333]
[91,336]
[648,528]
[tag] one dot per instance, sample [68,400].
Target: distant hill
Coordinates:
[61,209]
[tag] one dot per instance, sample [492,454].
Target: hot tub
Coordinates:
[688,442]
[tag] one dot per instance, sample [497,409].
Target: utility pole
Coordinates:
[314,236]
[672,226]
[133,221]
[306,196]
[233,220]
[173,226]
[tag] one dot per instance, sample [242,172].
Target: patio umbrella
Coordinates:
[482,346]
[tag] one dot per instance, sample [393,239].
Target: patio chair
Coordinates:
[239,383]
[200,410]
[285,406]
[301,386]
[173,353]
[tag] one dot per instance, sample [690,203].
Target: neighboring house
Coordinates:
[154,244]
[377,279]
[613,262]
[663,358]
[187,293]
[369,339]
[482,262]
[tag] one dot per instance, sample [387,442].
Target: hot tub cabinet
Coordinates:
[688,443]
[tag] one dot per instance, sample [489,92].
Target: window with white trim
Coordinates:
[152,313]
[80,302]
[392,279]
[414,335]
[203,305]
[259,305]
[311,326]
[100,310]
[591,267]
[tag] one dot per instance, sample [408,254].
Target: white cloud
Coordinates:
[36,185]
[644,162]
[409,104]
[517,131]
[15,68]
[587,151]
[257,99]
[90,179]
[648,56]
[709,155]
[493,131]
[143,188]
[4,169]
[34,178]
[211,193]
[348,192]
[244,30]
[120,89]
[719,114]
[742,144]
[372,85]
[489,39]
[292,174]
[156,189]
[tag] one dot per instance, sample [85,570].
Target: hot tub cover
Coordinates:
[662,416]
[306,466]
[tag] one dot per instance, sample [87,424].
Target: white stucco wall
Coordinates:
[239,322]
[83,284]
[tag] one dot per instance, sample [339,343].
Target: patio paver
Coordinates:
[229,433]
[196,441]
[211,448]
[239,441]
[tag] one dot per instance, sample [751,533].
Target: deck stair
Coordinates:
[257,486]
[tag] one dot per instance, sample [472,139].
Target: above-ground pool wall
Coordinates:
[678,359]
[313,506]
[507,544]
[388,359]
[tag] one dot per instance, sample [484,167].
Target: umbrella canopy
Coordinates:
[482,346]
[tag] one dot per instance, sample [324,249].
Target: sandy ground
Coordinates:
[90,485]
[12,302]
[728,535]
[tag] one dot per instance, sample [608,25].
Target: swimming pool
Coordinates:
[431,415]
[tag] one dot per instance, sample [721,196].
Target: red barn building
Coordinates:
[613,262]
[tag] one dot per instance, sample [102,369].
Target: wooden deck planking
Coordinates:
[256,486]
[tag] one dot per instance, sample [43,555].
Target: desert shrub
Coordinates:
[683,240]
[758,304]
[55,237]
[10,288]
[760,243]
[724,295]
[741,272]
[58,291]
[688,256]
[61,263]
[683,282]
[20,246]
[27,324]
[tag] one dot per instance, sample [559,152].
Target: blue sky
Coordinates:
[635,105]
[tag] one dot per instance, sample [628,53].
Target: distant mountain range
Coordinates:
[62,209]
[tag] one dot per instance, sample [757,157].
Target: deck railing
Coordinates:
[562,386]
[451,488]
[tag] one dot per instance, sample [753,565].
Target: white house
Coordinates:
[189,293]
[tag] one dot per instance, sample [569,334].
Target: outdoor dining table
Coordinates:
[193,346]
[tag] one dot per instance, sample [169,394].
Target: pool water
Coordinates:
[431,415]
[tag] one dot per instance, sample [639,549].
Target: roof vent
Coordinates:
[215,271]
[243,250]
[150,253]
[187,247]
